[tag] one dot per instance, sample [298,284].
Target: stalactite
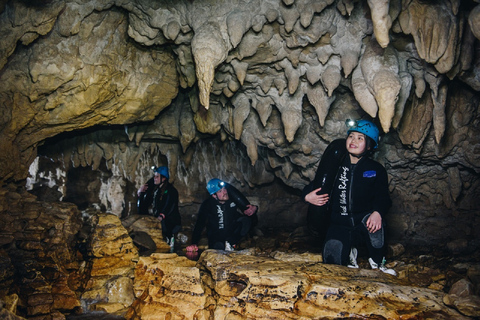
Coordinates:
[240,113]
[320,101]
[209,49]
[381,21]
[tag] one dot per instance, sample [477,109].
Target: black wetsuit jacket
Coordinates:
[165,203]
[359,190]
[218,218]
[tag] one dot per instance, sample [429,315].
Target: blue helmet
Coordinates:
[366,127]
[163,171]
[214,185]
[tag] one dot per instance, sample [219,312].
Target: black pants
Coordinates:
[238,231]
[169,229]
[340,239]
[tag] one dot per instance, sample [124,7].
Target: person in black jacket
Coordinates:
[159,198]
[227,214]
[358,202]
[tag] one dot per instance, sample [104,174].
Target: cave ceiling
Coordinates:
[278,77]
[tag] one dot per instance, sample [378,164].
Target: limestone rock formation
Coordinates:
[114,256]
[38,255]
[149,225]
[59,276]
[167,285]
[462,297]
[94,93]
[285,286]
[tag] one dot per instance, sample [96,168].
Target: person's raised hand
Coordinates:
[143,188]
[317,199]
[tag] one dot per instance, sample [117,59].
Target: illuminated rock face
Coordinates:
[244,286]
[248,91]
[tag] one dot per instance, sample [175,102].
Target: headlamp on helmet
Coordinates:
[214,185]
[350,123]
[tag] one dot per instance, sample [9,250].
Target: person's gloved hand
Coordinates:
[251,209]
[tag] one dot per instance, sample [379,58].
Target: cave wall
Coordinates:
[248,91]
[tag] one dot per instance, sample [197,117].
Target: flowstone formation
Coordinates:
[55,271]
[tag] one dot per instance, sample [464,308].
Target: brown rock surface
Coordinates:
[287,286]
[113,259]
[40,260]
[151,226]
[167,285]
[113,280]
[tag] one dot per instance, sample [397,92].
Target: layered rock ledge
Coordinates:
[241,285]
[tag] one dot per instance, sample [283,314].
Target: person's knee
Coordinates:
[332,252]
[246,224]
[218,245]
[176,229]
[377,239]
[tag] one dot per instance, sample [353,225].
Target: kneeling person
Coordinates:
[359,201]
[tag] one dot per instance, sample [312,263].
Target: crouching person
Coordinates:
[227,215]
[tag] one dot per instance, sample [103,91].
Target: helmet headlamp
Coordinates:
[350,123]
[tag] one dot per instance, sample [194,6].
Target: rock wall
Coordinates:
[39,260]
[248,91]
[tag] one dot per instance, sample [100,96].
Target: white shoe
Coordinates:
[382,267]
[171,243]
[228,246]
[353,258]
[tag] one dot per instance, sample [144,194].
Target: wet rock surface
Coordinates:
[39,262]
